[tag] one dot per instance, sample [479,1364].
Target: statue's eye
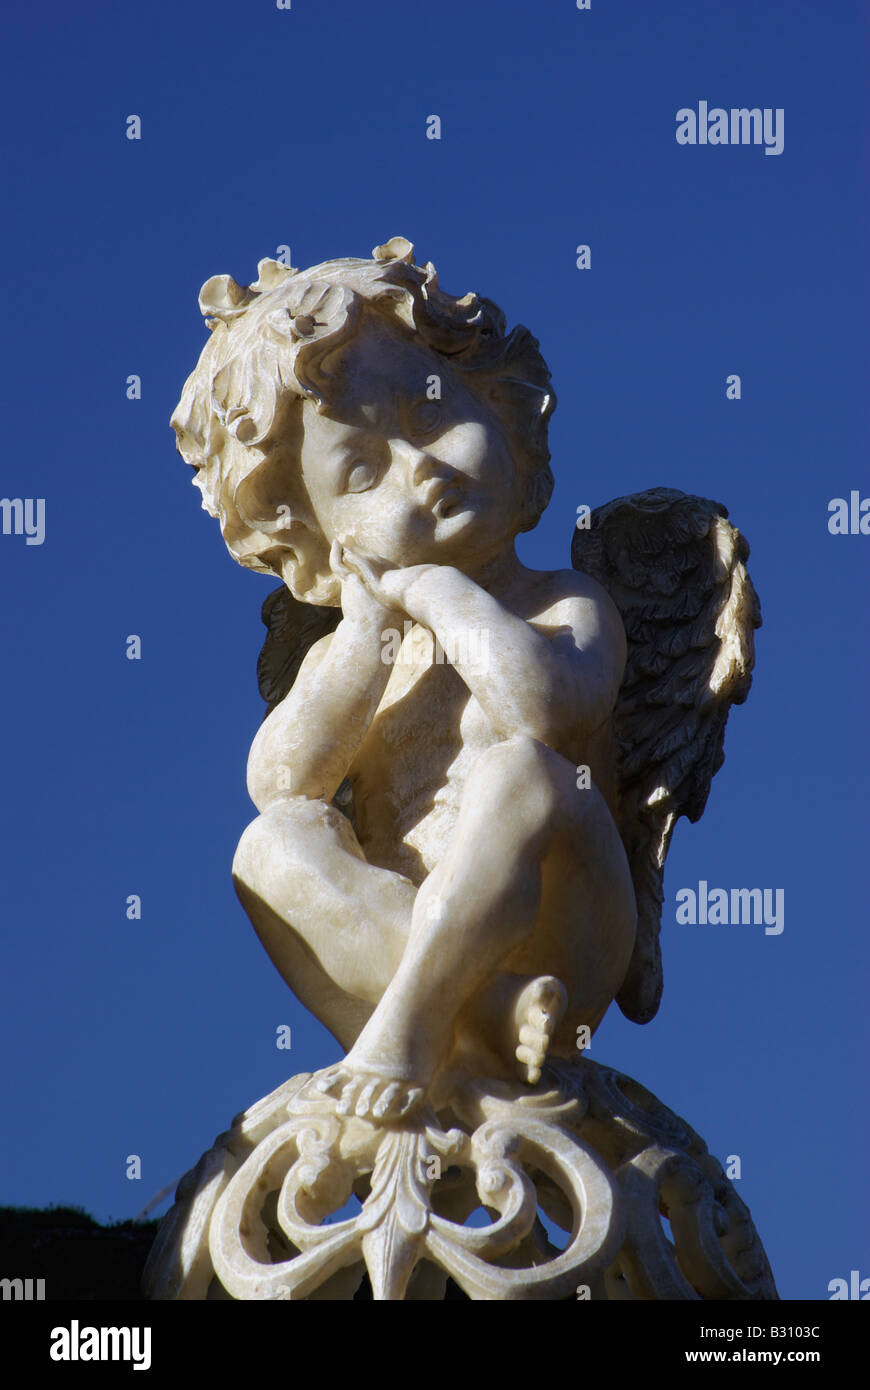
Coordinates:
[426,418]
[360,477]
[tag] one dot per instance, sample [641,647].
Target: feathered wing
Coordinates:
[675,567]
[293,627]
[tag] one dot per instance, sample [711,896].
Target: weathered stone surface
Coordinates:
[466,783]
[588,1149]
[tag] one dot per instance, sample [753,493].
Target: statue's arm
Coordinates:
[555,681]
[305,746]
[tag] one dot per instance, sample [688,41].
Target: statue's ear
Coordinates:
[300,555]
[540,492]
[285,536]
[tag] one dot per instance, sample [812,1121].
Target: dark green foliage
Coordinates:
[76,1256]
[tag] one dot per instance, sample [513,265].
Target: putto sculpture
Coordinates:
[466,784]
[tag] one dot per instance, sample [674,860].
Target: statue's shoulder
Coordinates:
[575,599]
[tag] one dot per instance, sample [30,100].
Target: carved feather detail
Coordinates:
[293,628]
[675,568]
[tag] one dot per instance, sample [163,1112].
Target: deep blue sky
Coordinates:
[263,127]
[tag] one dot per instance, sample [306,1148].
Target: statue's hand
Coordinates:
[387,583]
[361,601]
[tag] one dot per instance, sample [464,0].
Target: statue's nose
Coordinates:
[423,466]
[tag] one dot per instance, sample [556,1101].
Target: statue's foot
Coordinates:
[539,1008]
[370,1093]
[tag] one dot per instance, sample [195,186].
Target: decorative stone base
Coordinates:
[590,1148]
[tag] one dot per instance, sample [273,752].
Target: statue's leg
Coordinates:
[495,903]
[333,924]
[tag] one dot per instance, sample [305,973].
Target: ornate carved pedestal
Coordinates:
[592,1150]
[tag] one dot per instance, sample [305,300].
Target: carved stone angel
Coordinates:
[469,772]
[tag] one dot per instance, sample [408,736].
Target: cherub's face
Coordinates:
[392,473]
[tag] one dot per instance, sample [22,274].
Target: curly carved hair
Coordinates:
[235,424]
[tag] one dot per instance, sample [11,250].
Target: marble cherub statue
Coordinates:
[457,859]
[466,784]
